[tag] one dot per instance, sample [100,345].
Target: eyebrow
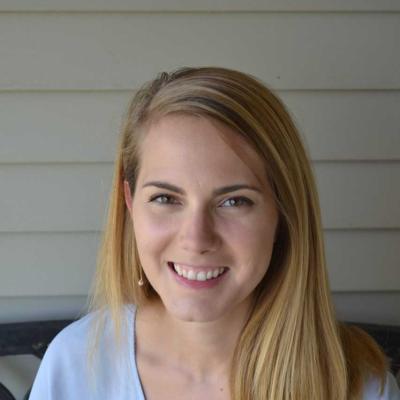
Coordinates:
[216,192]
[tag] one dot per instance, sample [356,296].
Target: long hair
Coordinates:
[292,347]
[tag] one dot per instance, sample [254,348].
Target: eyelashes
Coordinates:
[235,201]
[240,201]
[156,199]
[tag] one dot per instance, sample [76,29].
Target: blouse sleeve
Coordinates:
[43,386]
[61,374]
[391,390]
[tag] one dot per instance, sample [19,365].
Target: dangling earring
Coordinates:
[140,281]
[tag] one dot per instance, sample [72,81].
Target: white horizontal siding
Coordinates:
[199,5]
[53,197]
[348,125]
[118,51]
[60,126]
[370,307]
[66,80]
[48,264]
[83,126]
[62,264]
[41,308]
[74,197]
[359,195]
[363,260]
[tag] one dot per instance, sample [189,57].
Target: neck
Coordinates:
[201,351]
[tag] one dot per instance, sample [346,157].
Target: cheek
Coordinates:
[253,233]
[252,241]
[151,232]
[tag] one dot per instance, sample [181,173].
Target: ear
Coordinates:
[128,196]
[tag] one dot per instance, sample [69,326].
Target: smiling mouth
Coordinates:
[197,274]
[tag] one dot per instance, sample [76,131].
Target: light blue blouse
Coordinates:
[62,374]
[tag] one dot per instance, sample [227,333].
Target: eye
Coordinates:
[237,202]
[162,199]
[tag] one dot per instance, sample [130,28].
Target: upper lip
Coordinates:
[197,266]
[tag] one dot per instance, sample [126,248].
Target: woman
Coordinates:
[211,279]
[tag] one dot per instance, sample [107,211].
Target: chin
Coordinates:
[194,313]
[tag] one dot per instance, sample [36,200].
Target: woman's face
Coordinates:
[200,207]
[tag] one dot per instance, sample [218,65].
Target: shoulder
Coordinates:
[65,355]
[65,365]
[391,389]
[62,364]
[74,341]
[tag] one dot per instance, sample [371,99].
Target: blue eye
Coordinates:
[235,202]
[239,201]
[162,199]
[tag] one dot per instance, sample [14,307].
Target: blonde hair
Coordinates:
[292,346]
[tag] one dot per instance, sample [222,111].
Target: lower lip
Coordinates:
[210,283]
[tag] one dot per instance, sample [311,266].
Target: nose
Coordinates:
[197,232]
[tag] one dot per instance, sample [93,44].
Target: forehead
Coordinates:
[198,145]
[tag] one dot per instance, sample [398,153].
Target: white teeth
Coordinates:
[178,269]
[199,276]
